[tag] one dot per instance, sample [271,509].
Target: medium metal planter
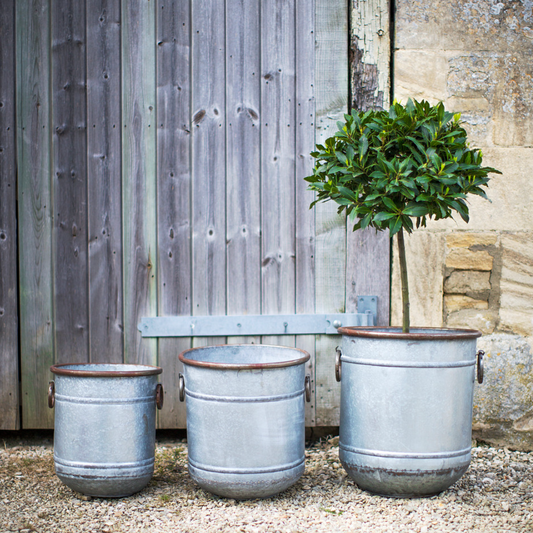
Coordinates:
[245,417]
[406,407]
[104,429]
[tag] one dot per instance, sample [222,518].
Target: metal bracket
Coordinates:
[249,325]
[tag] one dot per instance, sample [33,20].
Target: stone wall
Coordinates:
[475,56]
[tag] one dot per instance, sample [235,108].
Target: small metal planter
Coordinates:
[104,429]
[406,407]
[245,418]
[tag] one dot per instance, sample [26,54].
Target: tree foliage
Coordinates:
[395,169]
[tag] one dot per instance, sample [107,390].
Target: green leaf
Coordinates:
[416,211]
[390,204]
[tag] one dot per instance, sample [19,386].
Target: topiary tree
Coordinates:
[395,169]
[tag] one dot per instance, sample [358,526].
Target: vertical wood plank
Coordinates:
[305,217]
[103,177]
[208,161]
[243,160]
[173,192]
[69,181]
[331,104]
[9,376]
[368,251]
[278,125]
[34,208]
[370,54]
[139,176]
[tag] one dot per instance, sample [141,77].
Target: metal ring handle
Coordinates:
[159,396]
[51,394]
[308,388]
[338,364]
[479,357]
[181,387]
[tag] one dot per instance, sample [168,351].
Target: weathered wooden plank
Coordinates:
[9,376]
[34,208]
[173,192]
[368,252]
[243,160]
[370,53]
[368,270]
[331,103]
[305,218]
[208,161]
[278,125]
[104,176]
[69,181]
[139,176]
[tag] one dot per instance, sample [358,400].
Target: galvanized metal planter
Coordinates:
[245,417]
[104,430]
[406,407]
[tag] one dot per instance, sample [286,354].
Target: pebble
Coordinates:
[496,494]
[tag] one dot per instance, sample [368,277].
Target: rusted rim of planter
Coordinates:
[94,370]
[416,334]
[244,366]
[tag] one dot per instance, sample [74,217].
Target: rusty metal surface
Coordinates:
[99,370]
[228,357]
[416,334]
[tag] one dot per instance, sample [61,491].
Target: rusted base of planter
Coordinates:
[397,483]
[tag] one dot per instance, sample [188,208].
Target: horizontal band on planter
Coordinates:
[260,470]
[104,401]
[243,399]
[102,466]
[405,455]
[373,362]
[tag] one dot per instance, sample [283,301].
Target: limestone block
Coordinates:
[456,24]
[505,81]
[421,75]
[511,195]
[516,301]
[425,266]
[464,282]
[464,259]
[482,320]
[466,239]
[503,403]
[456,302]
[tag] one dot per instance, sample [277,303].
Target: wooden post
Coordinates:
[173,192]
[331,104]
[34,208]
[139,176]
[9,375]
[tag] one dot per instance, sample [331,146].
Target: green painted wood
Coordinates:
[208,161]
[173,192]
[69,182]
[330,282]
[243,160]
[106,337]
[34,208]
[305,217]
[278,126]
[9,376]
[139,175]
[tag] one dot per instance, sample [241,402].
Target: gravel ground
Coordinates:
[494,495]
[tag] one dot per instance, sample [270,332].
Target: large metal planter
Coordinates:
[406,407]
[245,418]
[104,429]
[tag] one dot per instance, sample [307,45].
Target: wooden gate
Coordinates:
[160,149]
